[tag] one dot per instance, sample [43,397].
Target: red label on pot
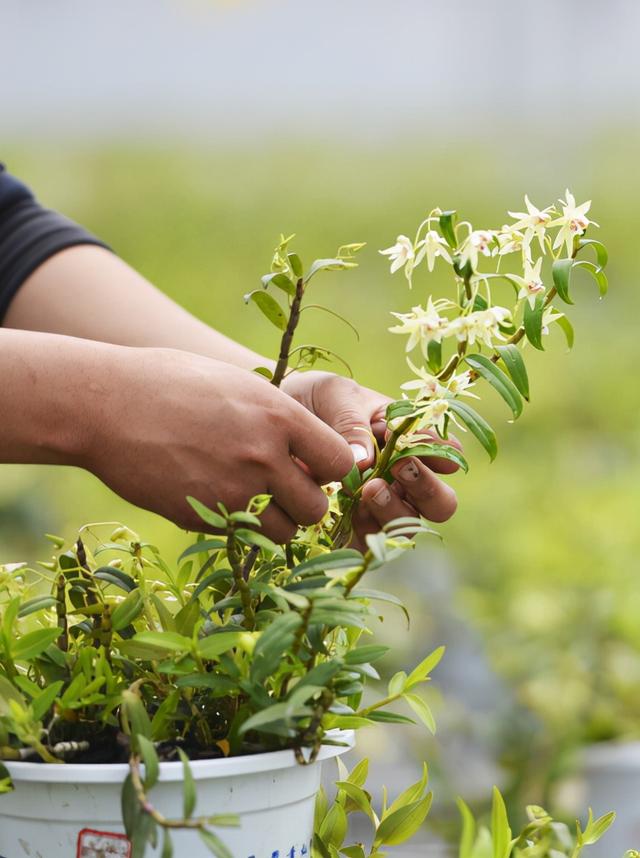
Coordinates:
[102,844]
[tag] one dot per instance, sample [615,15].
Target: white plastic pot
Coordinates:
[73,810]
[611,781]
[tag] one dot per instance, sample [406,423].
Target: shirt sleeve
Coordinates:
[29,235]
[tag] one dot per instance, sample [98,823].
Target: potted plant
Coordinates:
[132,688]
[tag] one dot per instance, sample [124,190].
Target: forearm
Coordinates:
[45,382]
[89,292]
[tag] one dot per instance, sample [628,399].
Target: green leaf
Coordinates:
[516,368]
[501,382]
[400,408]
[214,844]
[602,256]
[447,222]
[216,644]
[353,480]
[9,692]
[251,537]
[477,425]
[116,577]
[272,644]
[567,329]
[561,273]
[533,322]
[597,273]
[29,646]
[500,830]
[163,642]
[399,826]
[188,786]
[6,784]
[280,280]
[39,603]
[397,683]
[150,760]
[437,451]
[358,774]
[41,704]
[434,356]
[422,710]
[355,851]
[412,793]
[206,514]
[468,835]
[269,307]
[422,670]
[364,654]
[296,264]
[136,718]
[167,844]
[130,806]
[343,558]
[333,829]
[329,265]
[127,611]
[596,828]
[360,797]
[204,545]
[384,716]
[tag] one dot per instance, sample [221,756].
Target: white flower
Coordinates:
[432,245]
[458,385]
[530,285]
[426,384]
[400,253]
[509,239]
[477,242]
[534,222]
[548,317]
[422,325]
[573,222]
[433,415]
[482,326]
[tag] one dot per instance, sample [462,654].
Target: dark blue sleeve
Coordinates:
[29,235]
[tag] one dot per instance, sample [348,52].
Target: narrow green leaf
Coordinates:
[167,844]
[597,273]
[602,256]
[204,545]
[163,641]
[116,577]
[329,265]
[127,611]
[272,644]
[333,829]
[561,273]
[468,836]
[343,558]
[216,644]
[412,793]
[399,826]
[269,307]
[422,710]
[434,450]
[385,716]
[251,537]
[353,480]
[533,322]
[501,382]
[206,514]
[150,760]
[41,704]
[397,683]
[447,222]
[422,670]
[368,653]
[280,280]
[360,798]
[188,786]
[567,329]
[477,425]
[434,356]
[214,844]
[31,645]
[500,830]
[596,828]
[39,603]
[516,368]
[296,264]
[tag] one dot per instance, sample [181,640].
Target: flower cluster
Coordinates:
[540,247]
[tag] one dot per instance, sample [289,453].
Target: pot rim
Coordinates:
[223,767]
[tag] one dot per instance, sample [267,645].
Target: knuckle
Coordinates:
[446,507]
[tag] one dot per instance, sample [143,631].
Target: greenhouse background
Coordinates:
[188,135]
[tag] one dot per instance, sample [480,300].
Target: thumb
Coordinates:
[353,423]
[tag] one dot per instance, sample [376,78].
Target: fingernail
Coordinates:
[409,472]
[360,453]
[382,497]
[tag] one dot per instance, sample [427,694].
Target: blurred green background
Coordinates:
[188,135]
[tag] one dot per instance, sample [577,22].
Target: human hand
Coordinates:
[165,424]
[356,413]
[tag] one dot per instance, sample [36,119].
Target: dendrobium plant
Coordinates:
[110,652]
